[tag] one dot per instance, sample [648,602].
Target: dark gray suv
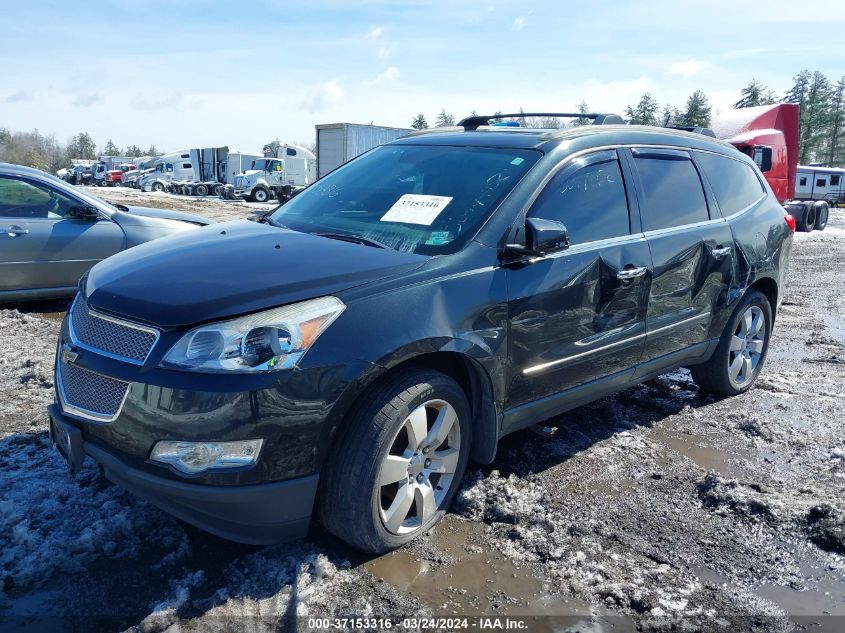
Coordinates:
[356,348]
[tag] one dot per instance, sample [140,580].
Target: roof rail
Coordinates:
[474,122]
[706,131]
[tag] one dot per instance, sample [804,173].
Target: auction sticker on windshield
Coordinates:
[414,208]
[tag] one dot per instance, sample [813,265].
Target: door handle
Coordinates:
[627,274]
[722,251]
[14,231]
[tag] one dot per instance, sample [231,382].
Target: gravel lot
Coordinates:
[656,509]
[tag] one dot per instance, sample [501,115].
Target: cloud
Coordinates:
[321,96]
[688,68]
[20,95]
[376,32]
[85,100]
[155,101]
[391,74]
[519,23]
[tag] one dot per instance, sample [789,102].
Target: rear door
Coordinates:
[691,247]
[579,314]
[41,246]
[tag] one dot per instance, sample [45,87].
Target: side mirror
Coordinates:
[541,238]
[83,212]
[763,158]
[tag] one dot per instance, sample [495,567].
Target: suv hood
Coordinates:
[230,269]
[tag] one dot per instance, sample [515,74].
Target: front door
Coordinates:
[579,314]
[41,246]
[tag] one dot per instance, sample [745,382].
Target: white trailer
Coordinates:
[820,183]
[283,169]
[338,143]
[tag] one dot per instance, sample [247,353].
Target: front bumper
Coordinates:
[257,514]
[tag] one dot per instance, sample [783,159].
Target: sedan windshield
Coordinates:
[423,199]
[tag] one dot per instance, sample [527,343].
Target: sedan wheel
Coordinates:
[419,467]
[747,345]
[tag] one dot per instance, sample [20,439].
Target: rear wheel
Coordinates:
[807,220]
[398,462]
[201,190]
[742,348]
[822,212]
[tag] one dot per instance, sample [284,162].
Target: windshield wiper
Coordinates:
[355,239]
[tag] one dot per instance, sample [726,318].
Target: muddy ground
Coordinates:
[656,509]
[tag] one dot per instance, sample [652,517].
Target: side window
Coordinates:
[186,165]
[589,199]
[290,151]
[25,199]
[672,189]
[185,156]
[820,182]
[803,181]
[734,183]
[834,181]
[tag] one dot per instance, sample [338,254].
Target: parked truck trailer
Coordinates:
[338,143]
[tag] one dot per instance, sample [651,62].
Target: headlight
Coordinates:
[195,457]
[265,341]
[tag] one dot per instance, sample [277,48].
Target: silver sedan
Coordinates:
[51,233]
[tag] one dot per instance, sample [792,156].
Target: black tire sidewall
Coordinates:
[723,351]
[451,393]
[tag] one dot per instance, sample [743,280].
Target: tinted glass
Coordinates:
[834,181]
[24,199]
[673,193]
[589,200]
[414,198]
[734,183]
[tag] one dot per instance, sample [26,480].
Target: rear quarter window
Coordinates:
[734,183]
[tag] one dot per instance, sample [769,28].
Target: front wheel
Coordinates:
[158,187]
[260,194]
[741,351]
[397,462]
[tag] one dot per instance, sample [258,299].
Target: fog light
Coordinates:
[195,457]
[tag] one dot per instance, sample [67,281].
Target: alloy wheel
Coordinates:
[419,467]
[747,346]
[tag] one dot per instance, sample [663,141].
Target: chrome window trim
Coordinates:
[86,414]
[596,244]
[121,322]
[683,227]
[631,339]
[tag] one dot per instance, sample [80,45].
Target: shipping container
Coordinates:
[338,143]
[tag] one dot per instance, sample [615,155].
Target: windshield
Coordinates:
[423,199]
[262,164]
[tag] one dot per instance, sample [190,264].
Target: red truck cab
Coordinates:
[115,176]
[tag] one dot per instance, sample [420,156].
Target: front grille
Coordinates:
[117,338]
[89,394]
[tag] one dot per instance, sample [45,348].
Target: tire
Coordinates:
[117,183]
[822,213]
[357,501]
[807,220]
[260,194]
[217,189]
[201,190]
[157,186]
[717,374]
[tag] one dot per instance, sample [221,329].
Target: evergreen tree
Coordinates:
[133,151]
[81,146]
[153,151]
[755,93]
[111,149]
[836,133]
[812,93]
[697,113]
[645,113]
[583,108]
[419,122]
[444,119]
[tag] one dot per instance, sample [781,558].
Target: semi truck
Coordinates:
[769,135]
[284,169]
[198,171]
[338,143]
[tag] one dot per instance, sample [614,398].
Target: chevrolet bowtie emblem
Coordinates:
[69,355]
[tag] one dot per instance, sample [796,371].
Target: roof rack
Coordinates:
[474,122]
[706,131]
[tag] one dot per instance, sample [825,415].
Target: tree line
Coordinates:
[45,152]
[822,104]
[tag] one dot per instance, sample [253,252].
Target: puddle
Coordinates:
[478,581]
[726,463]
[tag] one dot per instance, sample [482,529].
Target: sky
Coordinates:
[199,74]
